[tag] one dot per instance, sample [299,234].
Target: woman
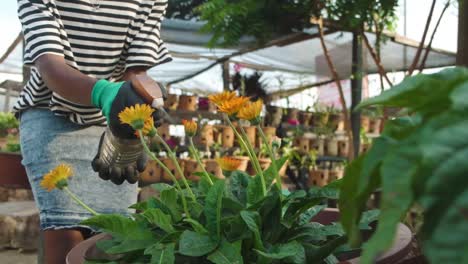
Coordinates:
[79,51]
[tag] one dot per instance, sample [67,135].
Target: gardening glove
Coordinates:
[112,98]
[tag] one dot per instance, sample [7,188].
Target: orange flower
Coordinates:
[229,163]
[148,128]
[220,98]
[57,178]
[136,116]
[190,127]
[251,111]
[232,107]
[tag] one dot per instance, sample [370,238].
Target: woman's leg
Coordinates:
[57,244]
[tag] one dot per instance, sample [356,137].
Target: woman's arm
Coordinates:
[69,83]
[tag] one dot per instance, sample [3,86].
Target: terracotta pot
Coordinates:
[171,102]
[151,174]
[204,104]
[374,125]
[343,147]
[244,163]
[319,119]
[318,177]
[273,116]
[251,132]
[318,144]
[206,136]
[172,167]
[164,131]
[190,167]
[332,147]
[364,147]
[227,137]
[264,164]
[3,143]
[282,171]
[12,172]
[302,143]
[400,249]
[211,166]
[188,103]
[365,123]
[334,120]
[270,133]
[305,118]
[335,174]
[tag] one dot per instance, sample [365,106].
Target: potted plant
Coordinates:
[240,219]
[8,128]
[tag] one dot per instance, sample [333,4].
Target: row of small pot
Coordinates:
[188,103]
[211,134]
[154,173]
[334,146]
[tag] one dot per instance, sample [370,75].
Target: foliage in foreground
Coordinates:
[420,159]
[230,223]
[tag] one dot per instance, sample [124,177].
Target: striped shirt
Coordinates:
[100,38]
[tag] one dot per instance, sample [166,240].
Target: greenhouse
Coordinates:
[252,131]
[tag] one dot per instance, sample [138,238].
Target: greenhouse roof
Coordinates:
[297,58]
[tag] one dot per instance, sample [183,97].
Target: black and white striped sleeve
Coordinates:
[41,29]
[147,48]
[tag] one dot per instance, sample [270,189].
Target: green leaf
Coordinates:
[196,245]
[322,252]
[195,208]
[227,253]
[397,171]
[119,226]
[254,190]
[368,217]
[196,226]
[292,252]
[309,214]
[252,220]
[160,219]
[270,213]
[129,246]
[269,173]
[161,253]
[297,207]
[213,207]
[169,198]
[237,186]
[161,186]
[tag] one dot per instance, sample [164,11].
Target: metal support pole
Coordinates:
[356,90]
[226,75]
[462,55]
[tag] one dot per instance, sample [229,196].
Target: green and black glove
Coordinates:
[112,98]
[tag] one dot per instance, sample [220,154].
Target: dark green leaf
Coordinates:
[160,219]
[213,207]
[237,186]
[161,253]
[129,246]
[252,220]
[292,252]
[254,190]
[269,173]
[196,245]
[309,214]
[196,226]
[119,226]
[169,199]
[322,252]
[227,253]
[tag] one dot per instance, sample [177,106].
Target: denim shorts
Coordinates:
[48,140]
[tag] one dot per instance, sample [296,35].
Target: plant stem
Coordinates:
[172,156]
[255,160]
[251,154]
[77,200]
[197,157]
[272,156]
[167,170]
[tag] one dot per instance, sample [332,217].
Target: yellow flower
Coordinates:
[148,128]
[251,111]
[190,127]
[232,107]
[229,163]
[57,178]
[219,98]
[136,115]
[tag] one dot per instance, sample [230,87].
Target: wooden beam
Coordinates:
[12,47]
